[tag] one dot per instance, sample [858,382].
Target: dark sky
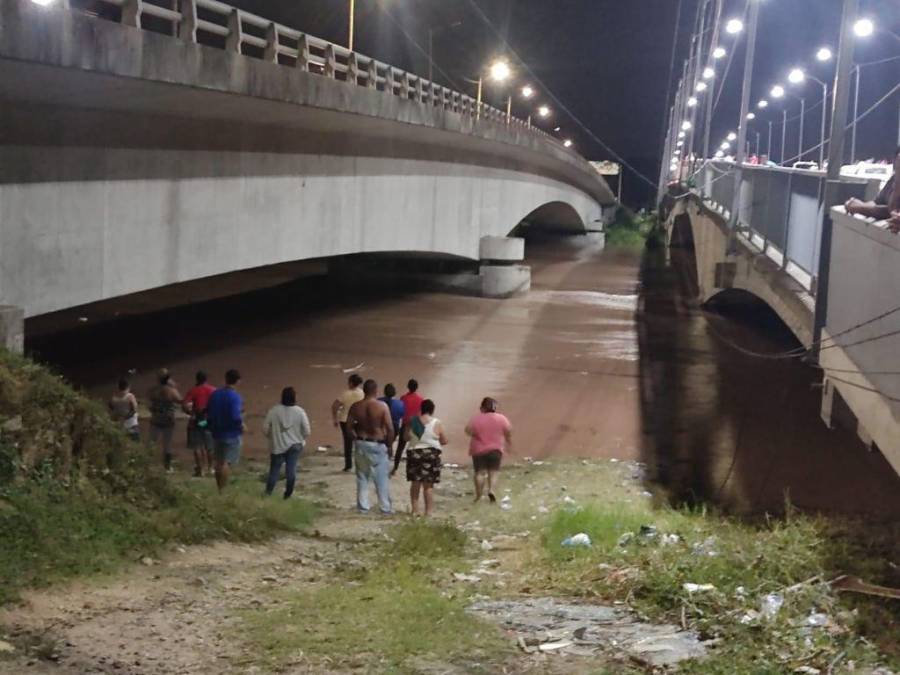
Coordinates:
[607,61]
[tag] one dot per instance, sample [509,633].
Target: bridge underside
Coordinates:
[132,161]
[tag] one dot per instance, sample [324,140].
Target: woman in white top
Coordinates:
[425,439]
[287,428]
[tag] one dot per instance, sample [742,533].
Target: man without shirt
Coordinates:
[369,423]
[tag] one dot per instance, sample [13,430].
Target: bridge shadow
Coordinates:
[723,426]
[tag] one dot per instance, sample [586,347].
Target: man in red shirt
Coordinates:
[199,437]
[412,404]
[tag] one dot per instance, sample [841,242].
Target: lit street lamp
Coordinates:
[824,54]
[708,73]
[567,143]
[798,76]
[719,52]
[692,101]
[498,71]
[863,28]
[701,87]
[544,111]
[527,92]
[763,104]
[734,26]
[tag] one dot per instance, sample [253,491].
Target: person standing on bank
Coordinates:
[287,428]
[339,409]
[123,408]
[199,439]
[226,424]
[425,440]
[164,397]
[369,423]
[491,436]
[395,406]
[412,403]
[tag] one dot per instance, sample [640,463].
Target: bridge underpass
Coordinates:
[133,160]
[773,254]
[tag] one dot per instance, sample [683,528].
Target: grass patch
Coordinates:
[78,497]
[394,620]
[429,542]
[745,562]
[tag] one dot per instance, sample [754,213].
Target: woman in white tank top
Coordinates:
[425,439]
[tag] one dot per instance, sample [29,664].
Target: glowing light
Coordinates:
[708,73]
[499,71]
[864,27]
[719,154]
[725,145]
[777,91]
[527,92]
[43,3]
[692,101]
[796,76]
[731,136]
[686,126]
[734,26]
[719,52]
[762,104]
[679,144]
[751,116]
[680,134]
[567,143]
[824,54]
[701,86]
[544,111]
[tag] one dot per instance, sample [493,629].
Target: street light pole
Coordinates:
[352,14]
[783,133]
[753,20]
[858,72]
[769,145]
[831,193]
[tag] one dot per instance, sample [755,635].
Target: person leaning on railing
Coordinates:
[886,205]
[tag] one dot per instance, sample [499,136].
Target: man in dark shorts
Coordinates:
[199,437]
[369,422]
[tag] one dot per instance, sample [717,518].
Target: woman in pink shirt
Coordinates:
[491,436]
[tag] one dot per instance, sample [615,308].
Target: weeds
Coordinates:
[629,230]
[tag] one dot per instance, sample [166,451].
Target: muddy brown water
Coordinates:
[606,357]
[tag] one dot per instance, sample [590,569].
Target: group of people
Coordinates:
[370,425]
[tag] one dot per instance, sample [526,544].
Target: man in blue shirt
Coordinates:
[224,414]
[395,406]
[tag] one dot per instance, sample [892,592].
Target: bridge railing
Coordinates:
[781,210]
[217,23]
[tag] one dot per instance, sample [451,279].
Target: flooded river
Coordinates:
[604,358]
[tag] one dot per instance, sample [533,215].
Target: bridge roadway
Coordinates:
[132,160]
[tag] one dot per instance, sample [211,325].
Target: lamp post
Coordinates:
[350,31]
[798,76]
[498,71]
[732,27]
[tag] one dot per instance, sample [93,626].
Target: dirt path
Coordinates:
[180,613]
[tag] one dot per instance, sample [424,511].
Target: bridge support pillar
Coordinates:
[500,276]
[12,328]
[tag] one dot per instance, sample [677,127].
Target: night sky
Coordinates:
[607,61]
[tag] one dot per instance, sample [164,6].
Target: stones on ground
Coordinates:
[6,647]
[589,630]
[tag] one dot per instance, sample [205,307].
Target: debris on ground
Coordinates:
[559,627]
[771,604]
[580,539]
[697,588]
[857,585]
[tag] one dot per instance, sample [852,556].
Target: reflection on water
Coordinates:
[604,358]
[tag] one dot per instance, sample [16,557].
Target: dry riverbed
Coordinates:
[480,588]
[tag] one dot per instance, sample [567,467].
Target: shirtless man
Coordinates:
[369,423]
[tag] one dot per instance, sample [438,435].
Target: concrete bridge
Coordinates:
[774,254]
[167,142]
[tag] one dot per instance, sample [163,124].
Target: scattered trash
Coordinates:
[646,493]
[543,509]
[486,545]
[506,500]
[146,560]
[568,500]
[451,466]
[613,460]
[470,578]
[83,319]
[771,605]
[647,532]
[323,448]
[580,539]
[626,538]
[817,619]
[706,548]
[358,366]
[740,592]
[553,646]
[807,670]
[750,616]
[670,539]
[550,625]
[537,463]
[492,562]
[6,647]
[506,506]
[698,588]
